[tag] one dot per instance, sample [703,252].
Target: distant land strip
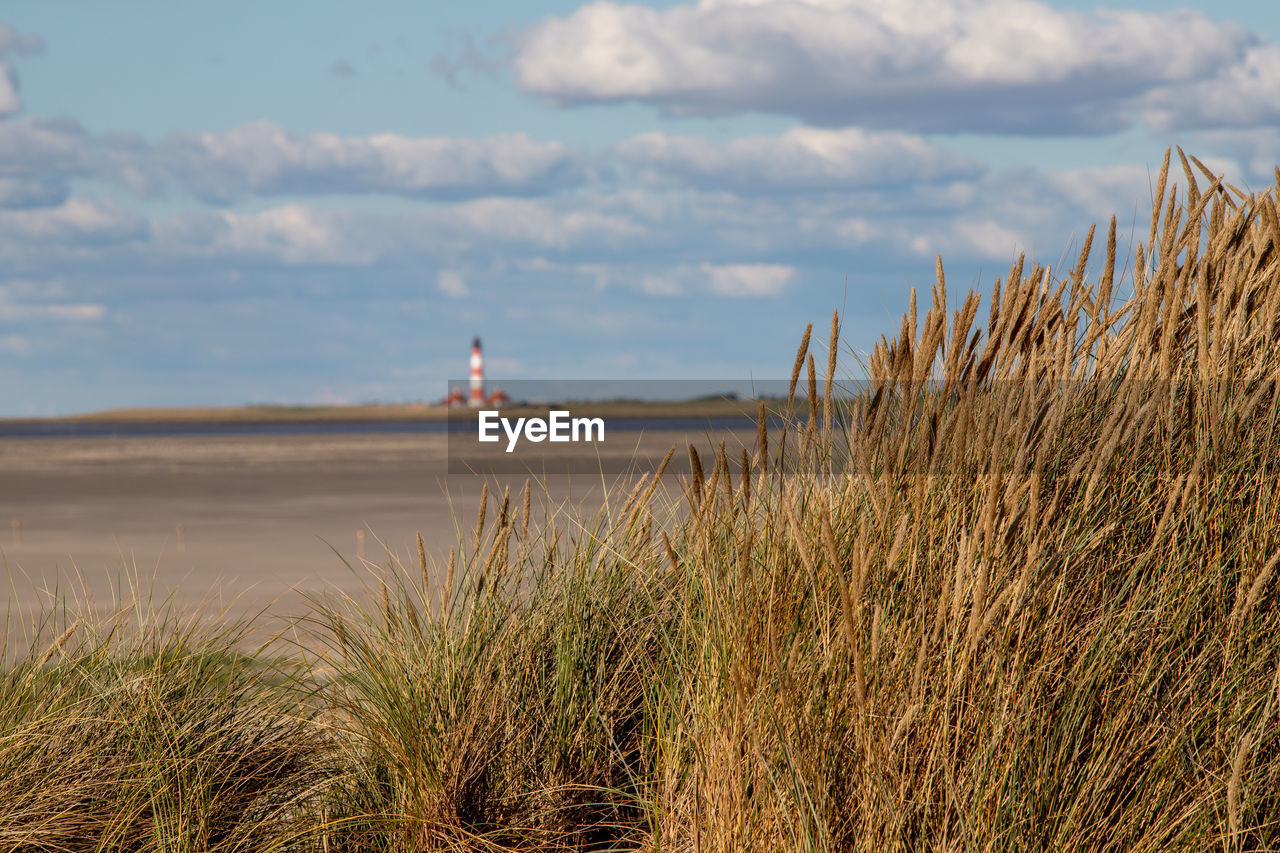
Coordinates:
[700,407]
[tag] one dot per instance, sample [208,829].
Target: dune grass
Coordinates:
[1020,593]
[143,731]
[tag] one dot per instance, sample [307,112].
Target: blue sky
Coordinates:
[313,202]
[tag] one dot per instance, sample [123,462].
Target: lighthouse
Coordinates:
[477,375]
[477,397]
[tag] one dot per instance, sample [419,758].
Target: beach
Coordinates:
[254,522]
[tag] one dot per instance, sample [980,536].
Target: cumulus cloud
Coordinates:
[802,159]
[611,234]
[729,218]
[1012,66]
[601,275]
[1102,191]
[292,233]
[285,235]
[637,272]
[1126,189]
[25,300]
[43,145]
[451,283]
[537,223]
[298,234]
[28,192]
[731,280]
[13,43]
[1245,93]
[78,222]
[748,279]
[70,311]
[1258,148]
[10,103]
[263,158]
[31,288]
[40,156]
[662,284]
[987,238]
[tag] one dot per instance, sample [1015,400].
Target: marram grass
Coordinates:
[1020,592]
[145,732]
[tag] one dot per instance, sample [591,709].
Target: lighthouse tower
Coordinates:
[477,375]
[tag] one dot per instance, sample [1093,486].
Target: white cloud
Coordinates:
[293,233]
[470,232]
[661,284]
[681,217]
[77,221]
[15,344]
[26,192]
[987,237]
[930,65]
[613,236]
[10,103]
[1104,191]
[290,234]
[24,300]
[262,158]
[749,279]
[637,273]
[27,289]
[601,275]
[535,222]
[801,159]
[1257,148]
[1245,93]
[40,156]
[451,283]
[42,145]
[13,43]
[67,311]
[1125,189]
[857,230]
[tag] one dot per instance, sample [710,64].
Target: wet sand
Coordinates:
[246,522]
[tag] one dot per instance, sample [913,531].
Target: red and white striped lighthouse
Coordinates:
[477,375]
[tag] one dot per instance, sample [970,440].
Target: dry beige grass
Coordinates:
[1019,594]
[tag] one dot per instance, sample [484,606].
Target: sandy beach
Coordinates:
[251,522]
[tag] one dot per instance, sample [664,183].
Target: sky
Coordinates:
[319,202]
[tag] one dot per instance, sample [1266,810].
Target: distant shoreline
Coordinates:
[392,412]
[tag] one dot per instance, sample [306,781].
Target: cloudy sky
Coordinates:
[317,201]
